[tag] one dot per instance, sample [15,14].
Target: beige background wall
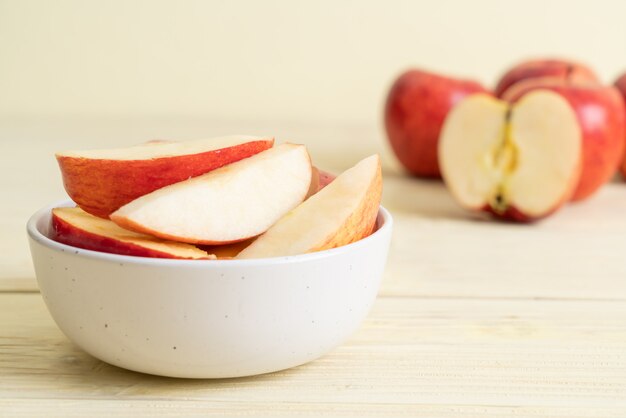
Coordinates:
[318,61]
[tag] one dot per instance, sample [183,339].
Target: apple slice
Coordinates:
[600,113]
[324,179]
[341,213]
[230,204]
[101,181]
[520,162]
[73,226]
[319,180]
[227,251]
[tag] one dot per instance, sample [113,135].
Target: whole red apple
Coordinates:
[557,68]
[602,118]
[416,107]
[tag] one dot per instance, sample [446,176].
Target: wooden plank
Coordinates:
[452,254]
[466,353]
[455,255]
[11,285]
[66,408]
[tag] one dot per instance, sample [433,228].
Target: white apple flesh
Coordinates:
[73,226]
[520,162]
[230,204]
[343,212]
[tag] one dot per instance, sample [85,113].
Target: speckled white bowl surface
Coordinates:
[207,319]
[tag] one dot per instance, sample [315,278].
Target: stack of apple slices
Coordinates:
[102,181]
[517,161]
[231,197]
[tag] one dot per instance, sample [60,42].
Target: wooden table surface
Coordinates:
[474,318]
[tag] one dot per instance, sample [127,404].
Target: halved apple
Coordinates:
[73,226]
[101,181]
[341,213]
[519,162]
[230,204]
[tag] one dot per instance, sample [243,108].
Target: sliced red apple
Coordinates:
[319,180]
[230,204]
[101,181]
[520,162]
[73,226]
[324,179]
[227,251]
[315,182]
[341,213]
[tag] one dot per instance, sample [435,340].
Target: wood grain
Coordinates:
[438,249]
[17,408]
[412,356]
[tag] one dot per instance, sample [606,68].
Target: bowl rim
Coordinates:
[384,219]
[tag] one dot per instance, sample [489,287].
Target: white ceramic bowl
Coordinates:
[207,319]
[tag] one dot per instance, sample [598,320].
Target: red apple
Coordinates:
[319,180]
[341,213]
[602,119]
[620,84]
[519,162]
[325,178]
[226,205]
[557,68]
[73,226]
[102,181]
[416,107]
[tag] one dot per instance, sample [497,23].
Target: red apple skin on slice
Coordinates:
[73,226]
[325,179]
[602,118]
[568,70]
[519,162]
[343,212]
[100,186]
[227,205]
[362,221]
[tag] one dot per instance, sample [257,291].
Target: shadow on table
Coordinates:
[64,369]
[427,198]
